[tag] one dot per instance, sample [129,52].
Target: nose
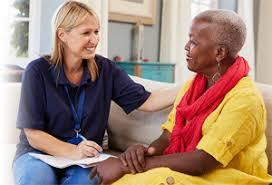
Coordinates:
[93,39]
[187,46]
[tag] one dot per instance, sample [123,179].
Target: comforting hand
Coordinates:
[134,157]
[109,171]
[86,149]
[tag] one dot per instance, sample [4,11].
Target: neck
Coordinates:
[224,65]
[72,64]
[73,69]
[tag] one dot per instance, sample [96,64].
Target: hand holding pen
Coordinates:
[87,148]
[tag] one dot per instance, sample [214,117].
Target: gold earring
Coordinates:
[217,75]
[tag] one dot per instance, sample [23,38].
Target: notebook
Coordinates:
[61,162]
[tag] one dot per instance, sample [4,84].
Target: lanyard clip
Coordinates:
[77,132]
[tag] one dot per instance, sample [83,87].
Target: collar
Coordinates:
[60,78]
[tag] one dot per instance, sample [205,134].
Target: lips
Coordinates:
[188,57]
[91,49]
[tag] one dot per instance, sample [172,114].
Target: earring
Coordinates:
[217,75]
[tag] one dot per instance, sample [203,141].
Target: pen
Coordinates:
[97,150]
[83,138]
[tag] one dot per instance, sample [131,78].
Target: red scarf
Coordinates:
[198,103]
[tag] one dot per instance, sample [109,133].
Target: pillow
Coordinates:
[137,127]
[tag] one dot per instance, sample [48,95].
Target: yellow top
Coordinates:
[234,134]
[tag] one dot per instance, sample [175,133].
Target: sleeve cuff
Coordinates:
[38,125]
[145,97]
[216,148]
[167,126]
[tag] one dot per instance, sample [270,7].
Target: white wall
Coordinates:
[264,54]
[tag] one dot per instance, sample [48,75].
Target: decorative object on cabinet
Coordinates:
[164,72]
[133,11]
[118,58]
[138,42]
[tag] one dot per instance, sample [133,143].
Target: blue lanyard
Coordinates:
[77,114]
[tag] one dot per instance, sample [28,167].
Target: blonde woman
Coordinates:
[65,100]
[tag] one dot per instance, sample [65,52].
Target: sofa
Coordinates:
[123,131]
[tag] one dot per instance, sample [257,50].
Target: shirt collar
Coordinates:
[60,77]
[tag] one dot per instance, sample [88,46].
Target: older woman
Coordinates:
[215,133]
[66,98]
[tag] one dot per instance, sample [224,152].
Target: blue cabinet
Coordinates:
[164,72]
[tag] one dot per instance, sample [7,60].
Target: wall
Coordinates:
[120,37]
[119,34]
[47,11]
[227,4]
[264,54]
[256,22]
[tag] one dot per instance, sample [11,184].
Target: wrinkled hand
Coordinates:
[109,171]
[134,157]
[85,149]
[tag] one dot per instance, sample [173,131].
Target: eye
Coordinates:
[96,32]
[193,43]
[86,33]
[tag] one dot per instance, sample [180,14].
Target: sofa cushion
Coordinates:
[266,91]
[10,97]
[137,127]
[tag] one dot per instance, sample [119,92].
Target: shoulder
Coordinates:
[104,62]
[35,73]
[108,68]
[37,65]
[245,100]
[246,92]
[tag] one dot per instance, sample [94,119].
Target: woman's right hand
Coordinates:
[85,149]
[134,158]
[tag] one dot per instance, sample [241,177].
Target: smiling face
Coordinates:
[201,49]
[81,41]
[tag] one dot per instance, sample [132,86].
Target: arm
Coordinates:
[47,143]
[193,163]
[134,156]
[160,99]
[159,145]
[197,162]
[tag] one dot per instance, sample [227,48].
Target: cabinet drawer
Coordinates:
[159,75]
[153,71]
[127,67]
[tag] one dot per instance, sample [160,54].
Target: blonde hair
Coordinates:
[231,30]
[68,16]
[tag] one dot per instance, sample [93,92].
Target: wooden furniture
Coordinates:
[164,72]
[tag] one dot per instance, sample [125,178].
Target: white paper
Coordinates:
[61,162]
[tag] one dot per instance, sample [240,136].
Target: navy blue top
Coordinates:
[44,104]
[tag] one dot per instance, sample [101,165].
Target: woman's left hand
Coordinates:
[109,171]
[134,158]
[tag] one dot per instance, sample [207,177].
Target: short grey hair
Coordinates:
[231,30]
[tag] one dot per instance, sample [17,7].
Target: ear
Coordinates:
[221,53]
[61,34]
